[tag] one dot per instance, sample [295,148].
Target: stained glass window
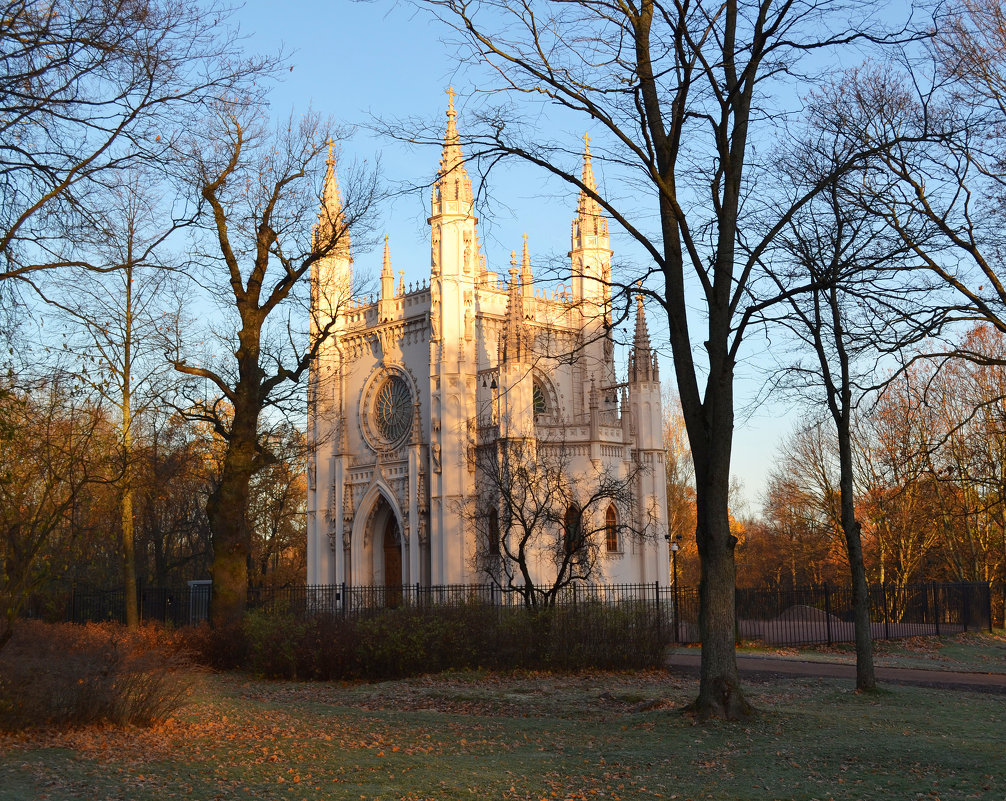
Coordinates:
[393,409]
[540,407]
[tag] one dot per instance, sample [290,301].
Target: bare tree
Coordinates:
[259,191]
[117,313]
[56,446]
[540,525]
[680,93]
[88,89]
[859,304]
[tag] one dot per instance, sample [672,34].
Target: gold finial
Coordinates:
[450,100]
[586,143]
[330,161]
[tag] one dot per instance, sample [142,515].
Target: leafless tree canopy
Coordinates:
[541,524]
[88,89]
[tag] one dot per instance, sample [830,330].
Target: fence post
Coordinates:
[827,612]
[936,608]
[965,592]
[345,599]
[883,595]
[660,618]
[988,599]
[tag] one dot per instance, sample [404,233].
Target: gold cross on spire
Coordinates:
[450,95]
[586,142]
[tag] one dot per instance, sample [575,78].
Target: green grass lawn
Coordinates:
[981,652]
[537,736]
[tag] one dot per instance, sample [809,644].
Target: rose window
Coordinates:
[393,409]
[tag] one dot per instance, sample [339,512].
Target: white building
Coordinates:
[411,384]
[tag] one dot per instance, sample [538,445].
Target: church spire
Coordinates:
[589,251]
[387,276]
[331,234]
[587,207]
[642,361]
[453,183]
[513,346]
[641,339]
[525,272]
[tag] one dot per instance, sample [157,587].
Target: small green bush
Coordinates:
[275,641]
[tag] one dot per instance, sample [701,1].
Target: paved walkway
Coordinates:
[688,662]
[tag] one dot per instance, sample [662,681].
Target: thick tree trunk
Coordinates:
[710,430]
[720,693]
[227,511]
[865,677]
[231,546]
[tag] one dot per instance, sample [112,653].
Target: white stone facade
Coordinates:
[408,385]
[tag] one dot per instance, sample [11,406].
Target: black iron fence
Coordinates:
[805,615]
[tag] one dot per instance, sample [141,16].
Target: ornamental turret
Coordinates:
[452,185]
[386,303]
[514,346]
[642,360]
[590,252]
[516,389]
[330,242]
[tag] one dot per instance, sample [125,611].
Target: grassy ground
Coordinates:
[473,736]
[981,652]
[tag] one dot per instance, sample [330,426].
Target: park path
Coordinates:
[688,662]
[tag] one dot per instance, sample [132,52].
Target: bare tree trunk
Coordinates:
[720,692]
[865,676]
[126,504]
[129,557]
[227,510]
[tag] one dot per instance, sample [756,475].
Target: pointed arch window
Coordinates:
[539,398]
[494,533]
[611,529]
[572,530]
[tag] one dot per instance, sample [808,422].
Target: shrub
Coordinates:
[407,641]
[99,673]
[221,648]
[275,641]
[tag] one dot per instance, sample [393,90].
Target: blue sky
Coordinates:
[353,60]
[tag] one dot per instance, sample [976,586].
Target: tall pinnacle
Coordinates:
[525,271]
[452,181]
[586,205]
[386,265]
[331,234]
[589,220]
[642,361]
[641,340]
[513,345]
[387,277]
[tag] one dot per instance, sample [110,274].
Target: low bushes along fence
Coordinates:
[410,640]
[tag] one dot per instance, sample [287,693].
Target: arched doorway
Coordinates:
[392,561]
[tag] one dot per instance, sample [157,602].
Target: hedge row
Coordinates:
[408,641]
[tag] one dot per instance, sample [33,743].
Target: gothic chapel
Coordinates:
[409,382]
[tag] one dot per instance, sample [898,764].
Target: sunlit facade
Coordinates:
[411,382]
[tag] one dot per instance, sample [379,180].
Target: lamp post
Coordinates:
[674,579]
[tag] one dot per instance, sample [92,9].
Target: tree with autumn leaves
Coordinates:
[929,457]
